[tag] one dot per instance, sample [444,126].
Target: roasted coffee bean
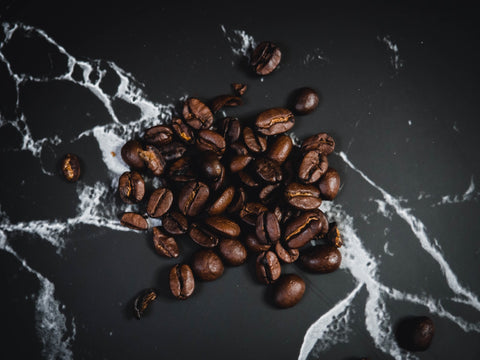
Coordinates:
[230,129]
[182,282]
[312,167]
[247,179]
[225,100]
[71,167]
[210,166]
[134,221]
[207,265]
[254,142]
[269,193]
[232,251]
[164,244]
[254,245]
[239,148]
[288,290]
[274,121]
[203,236]
[323,258]
[306,100]
[415,333]
[239,89]
[286,254]
[278,212]
[197,114]
[265,58]
[223,226]
[159,202]
[239,162]
[321,142]
[209,140]
[329,184]
[303,197]
[238,201]
[175,223]
[280,149]
[158,135]
[267,228]
[131,154]
[153,159]
[182,170]
[300,230]
[268,268]
[192,198]
[142,302]
[219,182]
[131,187]
[221,203]
[268,170]
[184,132]
[250,212]
[333,235]
[172,151]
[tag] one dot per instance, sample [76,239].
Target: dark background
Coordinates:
[178,48]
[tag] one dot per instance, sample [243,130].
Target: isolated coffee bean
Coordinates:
[333,235]
[267,228]
[221,203]
[312,167]
[268,170]
[223,226]
[239,162]
[203,236]
[254,141]
[192,198]
[164,244]
[321,258]
[71,167]
[210,166]
[172,151]
[286,254]
[142,302]
[265,58]
[207,265]
[209,140]
[232,251]
[230,129]
[280,149]
[159,202]
[274,121]
[184,132]
[321,142]
[306,100]
[268,268]
[250,212]
[254,245]
[415,333]
[300,230]
[182,170]
[182,282]
[158,135]
[131,154]
[303,197]
[225,100]
[175,223]
[134,221]
[131,187]
[329,184]
[288,290]
[153,159]
[197,114]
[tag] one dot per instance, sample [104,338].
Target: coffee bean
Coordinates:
[225,100]
[238,201]
[254,245]
[239,162]
[172,151]
[232,252]
[142,302]
[184,132]
[153,159]
[247,179]
[239,148]
[164,245]
[207,265]
[131,154]
[159,202]
[321,258]
[254,142]
[312,167]
[197,114]
[230,129]
[158,135]
[321,142]
[286,254]
[203,236]
[71,167]
[269,193]
[210,166]
[323,222]
[192,197]
[221,203]
[265,58]
[182,282]
[239,89]
[306,101]
[274,121]
[333,235]
[182,170]
[268,267]
[223,226]
[209,140]
[280,149]
[267,228]
[329,184]
[300,230]
[288,290]
[250,212]
[175,223]
[303,197]
[219,182]
[415,333]
[131,187]
[134,221]
[268,170]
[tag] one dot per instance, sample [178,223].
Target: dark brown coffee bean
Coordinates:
[280,149]
[300,230]
[173,151]
[209,140]
[131,154]
[247,179]
[131,187]
[321,142]
[175,223]
[153,159]
[210,166]
[223,226]
[225,100]
[164,244]
[321,258]
[158,135]
[303,197]
[221,203]
[192,197]
[312,167]
[274,121]
[182,170]
[232,252]
[250,212]
[207,265]
[159,202]
[254,142]
[288,290]
[239,148]
[184,132]
[265,58]
[286,254]
[254,245]
[268,170]
[268,268]
[239,162]
[278,212]
[329,184]
[197,114]
[333,235]
[230,129]
[71,167]
[142,302]
[219,182]
[238,201]
[267,228]
[182,282]
[203,236]
[269,193]
[239,89]
[134,221]
[415,333]
[306,100]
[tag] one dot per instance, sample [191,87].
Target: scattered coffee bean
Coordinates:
[164,245]
[131,154]
[197,114]
[131,187]
[71,167]
[300,230]
[230,129]
[221,203]
[159,202]
[322,142]
[207,265]
[267,228]
[268,267]
[280,149]
[153,159]
[313,166]
[184,132]
[142,302]
[158,135]
[232,251]
[223,226]
[329,184]
[203,236]
[225,100]
[265,58]
[274,121]
[172,151]
[306,101]
[175,223]
[254,142]
[182,282]
[268,170]
[321,258]
[250,212]
[192,197]
[286,254]
[415,333]
[303,197]
[254,245]
[288,290]
[134,221]
[209,140]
